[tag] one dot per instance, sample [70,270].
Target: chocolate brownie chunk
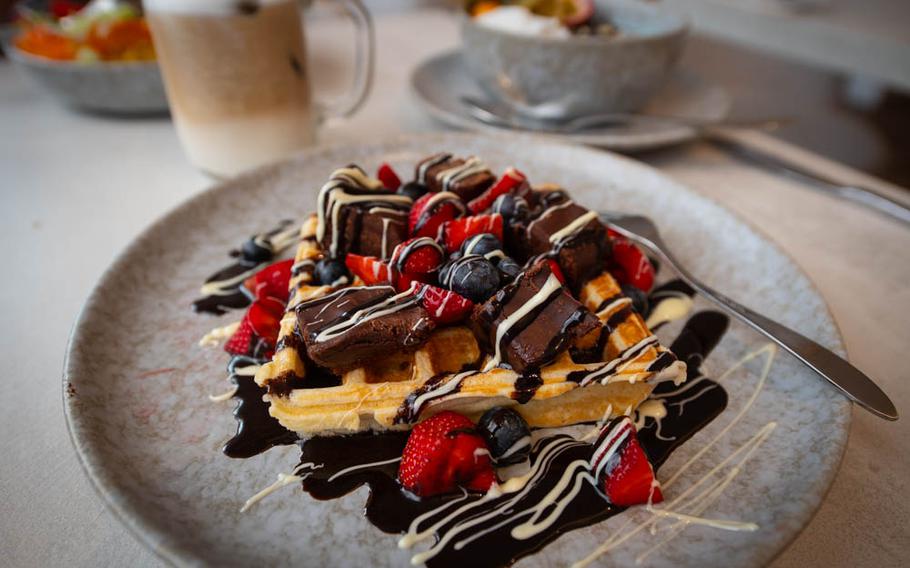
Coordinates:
[574,236]
[348,196]
[534,318]
[467,178]
[381,230]
[348,328]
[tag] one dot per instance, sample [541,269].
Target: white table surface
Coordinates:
[75,189]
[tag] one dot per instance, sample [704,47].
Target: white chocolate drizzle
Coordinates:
[300,473]
[334,196]
[425,166]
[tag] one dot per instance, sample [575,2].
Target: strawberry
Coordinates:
[556,270]
[258,331]
[431,211]
[629,265]
[511,179]
[420,255]
[273,280]
[388,177]
[444,306]
[628,478]
[457,231]
[369,268]
[444,453]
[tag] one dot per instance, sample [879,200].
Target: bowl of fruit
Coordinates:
[96,56]
[555,59]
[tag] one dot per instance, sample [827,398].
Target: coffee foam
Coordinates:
[205,7]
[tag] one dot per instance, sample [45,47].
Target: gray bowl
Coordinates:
[103,87]
[562,77]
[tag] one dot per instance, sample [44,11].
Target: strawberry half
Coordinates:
[457,231]
[511,179]
[619,460]
[388,177]
[273,280]
[444,453]
[629,265]
[444,306]
[369,268]
[258,331]
[420,255]
[431,211]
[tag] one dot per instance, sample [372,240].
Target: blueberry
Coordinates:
[474,277]
[511,207]
[481,244]
[639,298]
[256,250]
[413,189]
[330,270]
[507,435]
[508,268]
[549,198]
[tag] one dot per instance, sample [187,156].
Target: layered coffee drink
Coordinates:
[236,79]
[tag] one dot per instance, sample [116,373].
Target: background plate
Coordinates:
[438,82]
[136,382]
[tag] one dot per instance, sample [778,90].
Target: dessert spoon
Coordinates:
[836,370]
[503,116]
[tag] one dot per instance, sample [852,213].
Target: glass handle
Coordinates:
[364,63]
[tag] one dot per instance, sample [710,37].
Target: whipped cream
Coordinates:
[520,20]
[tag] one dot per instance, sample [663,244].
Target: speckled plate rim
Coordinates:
[132,518]
[621,142]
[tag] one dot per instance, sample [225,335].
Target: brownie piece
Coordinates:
[381,230]
[467,178]
[349,327]
[574,237]
[344,201]
[553,322]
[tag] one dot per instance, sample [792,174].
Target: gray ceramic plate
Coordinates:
[149,438]
[439,81]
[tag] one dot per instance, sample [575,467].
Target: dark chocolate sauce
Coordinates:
[526,385]
[231,295]
[257,431]
[392,510]
[219,304]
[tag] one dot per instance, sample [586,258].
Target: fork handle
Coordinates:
[833,368]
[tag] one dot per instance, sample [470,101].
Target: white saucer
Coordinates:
[439,81]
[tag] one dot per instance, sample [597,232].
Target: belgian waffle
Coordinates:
[400,389]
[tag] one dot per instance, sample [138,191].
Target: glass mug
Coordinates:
[237,82]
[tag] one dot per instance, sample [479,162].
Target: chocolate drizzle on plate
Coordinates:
[223,290]
[257,431]
[372,459]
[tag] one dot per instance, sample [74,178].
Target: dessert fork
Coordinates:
[836,370]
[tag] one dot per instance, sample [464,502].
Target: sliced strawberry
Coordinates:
[388,177]
[369,268]
[630,266]
[444,306]
[444,453]
[420,255]
[239,343]
[628,478]
[258,331]
[273,280]
[457,231]
[511,179]
[431,211]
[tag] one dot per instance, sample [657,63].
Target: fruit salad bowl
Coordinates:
[561,77]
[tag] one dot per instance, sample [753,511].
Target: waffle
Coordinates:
[396,391]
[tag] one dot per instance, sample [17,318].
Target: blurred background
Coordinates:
[841,67]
